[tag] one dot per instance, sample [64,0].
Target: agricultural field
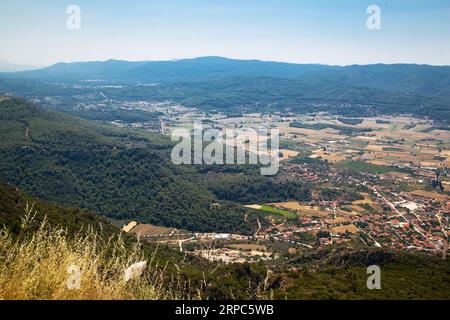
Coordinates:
[302,210]
[332,157]
[430,195]
[364,167]
[367,199]
[350,228]
[381,142]
[287,154]
[272,209]
[148,229]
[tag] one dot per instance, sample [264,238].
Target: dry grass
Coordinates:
[333,157]
[36,265]
[288,154]
[290,205]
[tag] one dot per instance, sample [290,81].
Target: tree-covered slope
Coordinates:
[341,273]
[422,79]
[120,173]
[13,204]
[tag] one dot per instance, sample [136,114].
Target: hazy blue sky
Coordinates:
[308,31]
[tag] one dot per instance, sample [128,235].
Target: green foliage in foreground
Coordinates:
[184,276]
[338,273]
[342,274]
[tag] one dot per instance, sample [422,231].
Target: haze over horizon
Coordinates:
[319,32]
[6,66]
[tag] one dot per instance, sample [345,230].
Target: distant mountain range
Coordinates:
[421,79]
[191,70]
[216,83]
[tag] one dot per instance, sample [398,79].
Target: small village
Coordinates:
[400,176]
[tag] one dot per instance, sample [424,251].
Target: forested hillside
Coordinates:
[13,204]
[120,173]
